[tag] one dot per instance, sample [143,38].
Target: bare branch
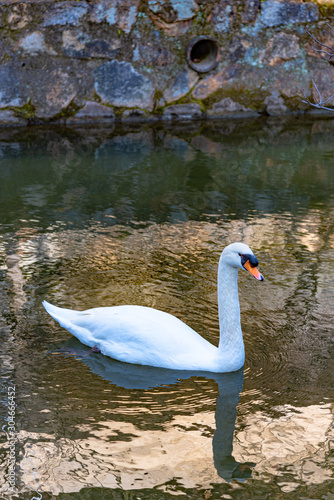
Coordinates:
[331,54]
[318,102]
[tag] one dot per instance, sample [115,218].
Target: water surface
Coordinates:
[139,215]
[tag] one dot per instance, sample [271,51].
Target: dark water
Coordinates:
[140,215]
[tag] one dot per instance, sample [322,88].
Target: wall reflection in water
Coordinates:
[140,215]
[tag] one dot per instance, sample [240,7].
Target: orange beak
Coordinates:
[254,271]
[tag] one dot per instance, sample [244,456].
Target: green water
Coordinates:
[139,215]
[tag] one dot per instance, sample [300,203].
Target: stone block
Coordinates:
[176,29]
[137,115]
[211,84]
[275,13]
[80,44]
[281,47]
[34,43]
[151,55]
[18,16]
[184,9]
[174,10]
[221,16]
[11,91]
[56,89]
[191,111]
[182,84]
[275,104]
[119,13]
[119,84]
[227,107]
[8,118]
[65,14]
[92,112]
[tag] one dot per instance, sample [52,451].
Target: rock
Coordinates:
[18,16]
[281,47]
[275,12]
[288,82]
[275,104]
[174,10]
[184,9]
[136,115]
[228,107]
[238,48]
[171,29]
[8,118]
[183,112]
[65,13]
[80,44]
[119,13]
[10,88]
[119,84]
[152,56]
[162,10]
[174,17]
[221,16]
[211,84]
[54,92]
[250,11]
[182,84]
[34,44]
[92,112]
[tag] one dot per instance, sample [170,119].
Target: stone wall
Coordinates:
[105,60]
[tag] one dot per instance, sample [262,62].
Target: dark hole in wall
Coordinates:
[202,54]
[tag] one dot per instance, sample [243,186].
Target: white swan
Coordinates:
[146,336]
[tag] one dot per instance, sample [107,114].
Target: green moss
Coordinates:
[252,99]
[27,111]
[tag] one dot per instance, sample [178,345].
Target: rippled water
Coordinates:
[140,215]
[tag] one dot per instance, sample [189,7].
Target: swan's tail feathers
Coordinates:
[67,318]
[60,314]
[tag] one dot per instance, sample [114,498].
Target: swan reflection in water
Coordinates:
[129,376]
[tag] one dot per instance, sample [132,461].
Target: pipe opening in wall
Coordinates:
[202,54]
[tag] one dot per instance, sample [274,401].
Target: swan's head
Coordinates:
[240,255]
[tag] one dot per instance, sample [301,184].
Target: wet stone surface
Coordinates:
[10,88]
[57,92]
[119,84]
[227,107]
[276,13]
[119,13]
[65,13]
[133,54]
[92,111]
[182,84]
[183,112]
[81,44]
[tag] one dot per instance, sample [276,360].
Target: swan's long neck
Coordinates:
[229,309]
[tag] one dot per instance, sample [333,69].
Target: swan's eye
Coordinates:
[240,254]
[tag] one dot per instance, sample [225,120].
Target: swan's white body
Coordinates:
[147,336]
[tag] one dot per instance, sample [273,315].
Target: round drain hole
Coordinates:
[202,54]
